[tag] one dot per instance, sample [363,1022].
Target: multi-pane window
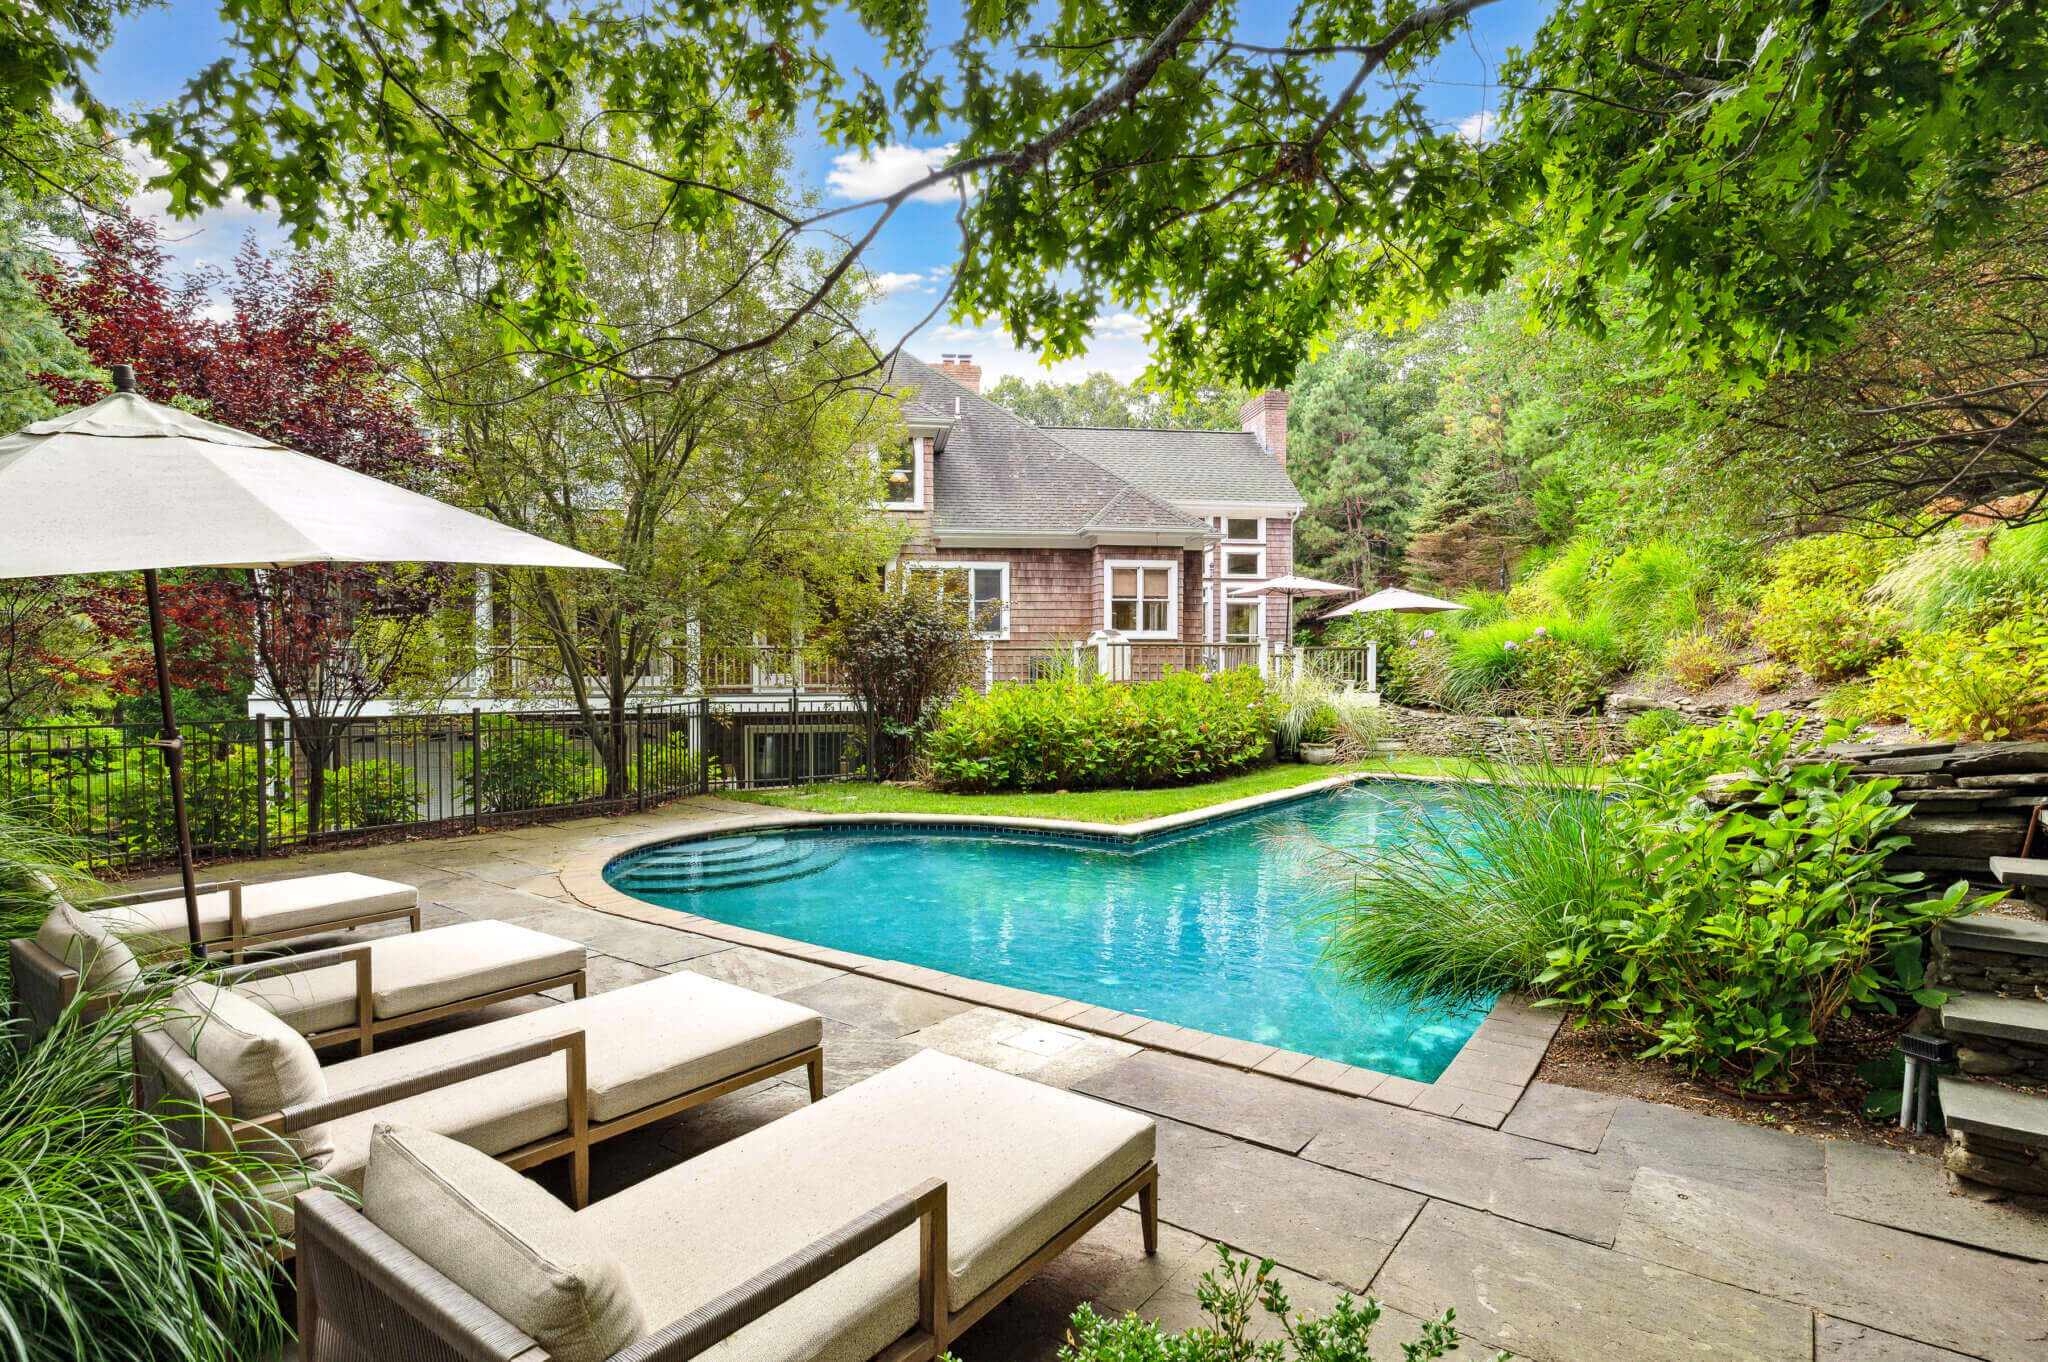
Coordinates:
[1244,563]
[986,591]
[1247,531]
[899,475]
[1141,599]
[1241,622]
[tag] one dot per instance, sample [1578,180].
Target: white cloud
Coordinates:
[1122,326]
[892,282]
[854,176]
[1479,127]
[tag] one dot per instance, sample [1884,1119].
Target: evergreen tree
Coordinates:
[1360,434]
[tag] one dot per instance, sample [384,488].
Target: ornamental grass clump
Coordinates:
[1080,732]
[1469,900]
[116,1244]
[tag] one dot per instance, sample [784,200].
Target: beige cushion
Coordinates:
[302,903]
[1020,1161]
[501,1238]
[418,971]
[646,1043]
[263,1063]
[82,942]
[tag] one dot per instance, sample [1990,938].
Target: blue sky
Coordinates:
[154,52]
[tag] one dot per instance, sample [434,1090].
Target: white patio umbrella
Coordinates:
[127,485]
[1396,599]
[1290,587]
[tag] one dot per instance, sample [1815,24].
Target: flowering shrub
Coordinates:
[1694,660]
[1748,904]
[1766,678]
[1080,732]
[1817,611]
[1966,683]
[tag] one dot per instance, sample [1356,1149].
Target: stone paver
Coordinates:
[1648,1135]
[1251,1107]
[640,942]
[1554,1299]
[1728,1241]
[760,970]
[1909,1192]
[1313,1219]
[1792,1248]
[1837,1340]
[877,1005]
[1527,1180]
[1039,1050]
[1571,1117]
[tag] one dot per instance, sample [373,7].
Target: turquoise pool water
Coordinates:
[1203,928]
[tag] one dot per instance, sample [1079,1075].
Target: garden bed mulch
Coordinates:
[1604,1061]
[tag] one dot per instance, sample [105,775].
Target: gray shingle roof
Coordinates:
[1185,465]
[1000,474]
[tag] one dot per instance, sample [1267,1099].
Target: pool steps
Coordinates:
[729,864]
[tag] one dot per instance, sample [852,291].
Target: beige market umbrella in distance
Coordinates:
[128,485]
[1397,599]
[1291,587]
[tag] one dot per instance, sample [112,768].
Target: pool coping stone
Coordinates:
[1480,1086]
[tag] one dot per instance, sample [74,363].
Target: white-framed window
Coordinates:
[1244,562]
[1244,529]
[902,477]
[1244,621]
[986,588]
[1139,598]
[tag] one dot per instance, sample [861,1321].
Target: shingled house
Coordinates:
[1059,532]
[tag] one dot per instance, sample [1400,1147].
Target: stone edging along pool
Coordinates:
[1481,1084]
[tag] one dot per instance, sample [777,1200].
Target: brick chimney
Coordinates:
[962,370]
[1264,418]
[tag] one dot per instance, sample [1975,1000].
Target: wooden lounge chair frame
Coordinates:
[45,986]
[162,1065]
[239,938]
[380,1289]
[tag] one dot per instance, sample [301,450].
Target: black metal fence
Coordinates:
[251,784]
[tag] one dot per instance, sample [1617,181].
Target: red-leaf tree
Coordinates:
[282,363]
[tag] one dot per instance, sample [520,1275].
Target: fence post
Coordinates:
[795,776]
[1372,666]
[263,785]
[1296,652]
[1265,656]
[476,768]
[1077,657]
[640,753]
[704,744]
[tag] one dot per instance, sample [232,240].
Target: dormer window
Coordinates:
[902,477]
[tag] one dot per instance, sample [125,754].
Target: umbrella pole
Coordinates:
[174,759]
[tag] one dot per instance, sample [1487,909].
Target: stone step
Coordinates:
[2001,1113]
[2031,873]
[1995,932]
[1985,1014]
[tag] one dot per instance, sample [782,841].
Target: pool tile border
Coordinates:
[1480,1086]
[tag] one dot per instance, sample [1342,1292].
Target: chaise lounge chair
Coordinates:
[841,1232]
[349,993]
[236,915]
[527,1089]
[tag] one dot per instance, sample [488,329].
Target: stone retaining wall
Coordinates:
[2011,976]
[1437,734]
[1971,800]
[1997,1057]
[1997,1170]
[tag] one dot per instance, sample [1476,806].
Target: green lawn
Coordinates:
[1087,806]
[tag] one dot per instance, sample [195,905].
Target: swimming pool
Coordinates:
[1202,928]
